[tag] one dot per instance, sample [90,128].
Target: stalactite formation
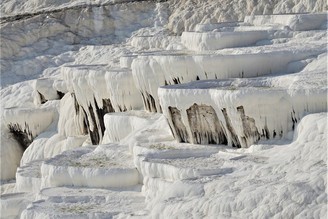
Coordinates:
[149,102]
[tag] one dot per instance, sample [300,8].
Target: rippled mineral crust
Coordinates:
[163,109]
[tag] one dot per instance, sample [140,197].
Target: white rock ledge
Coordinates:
[99,89]
[219,40]
[152,42]
[241,112]
[121,124]
[27,123]
[153,71]
[28,177]
[12,204]
[86,203]
[298,22]
[106,165]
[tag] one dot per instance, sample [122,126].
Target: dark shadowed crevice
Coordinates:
[265,132]
[85,122]
[145,103]
[234,138]
[94,133]
[294,119]
[60,94]
[77,109]
[42,98]
[176,80]
[76,104]
[98,114]
[122,108]
[107,108]
[178,126]
[149,102]
[23,136]
[205,126]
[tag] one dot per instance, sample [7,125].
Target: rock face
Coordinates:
[98,90]
[152,71]
[36,36]
[205,125]
[26,124]
[229,117]
[22,135]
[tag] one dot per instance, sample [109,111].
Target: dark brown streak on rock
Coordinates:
[149,102]
[96,135]
[178,126]
[205,126]
[249,127]
[76,104]
[234,137]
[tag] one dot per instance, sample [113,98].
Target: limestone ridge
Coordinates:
[24,16]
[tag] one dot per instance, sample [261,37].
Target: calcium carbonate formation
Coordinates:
[144,109]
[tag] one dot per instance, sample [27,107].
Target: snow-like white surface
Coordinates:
[153,42]
[107,165]
[10,154]
[45,147]
[35,120]
[185,15]
[157,131]
[120,125]
[152,71]
[299,22]
[68,202]
[44,90]
[17,95]
[275,104]
[220,40]
[70,123]
[180,180]
[42,43]
[11,205]
[16,122]
[28,177]
[167,160]
[294,173]
[91,84]
[123,92]
[126,61]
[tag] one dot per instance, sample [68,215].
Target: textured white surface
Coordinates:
[13,204]
[69,202]
[275,178]
[106,165]
[28,177]
[272,102]
[299,22]
[295,173]
[11,153]
[152,71]
[220,40]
